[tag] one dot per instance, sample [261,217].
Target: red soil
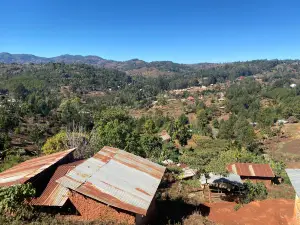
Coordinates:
[273,212]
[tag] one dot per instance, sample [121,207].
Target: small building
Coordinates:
[114,185]
[253,172]
[293,85]
[165,136]
[294,175]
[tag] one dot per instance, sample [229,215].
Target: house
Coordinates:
[114,184]
[294,175]
[165,136]
[253,172]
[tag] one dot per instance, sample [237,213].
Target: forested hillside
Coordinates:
[233,116]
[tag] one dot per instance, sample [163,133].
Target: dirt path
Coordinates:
[273,212]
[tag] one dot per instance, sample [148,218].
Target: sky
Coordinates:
[184,31]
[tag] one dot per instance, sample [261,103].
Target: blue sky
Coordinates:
[182,31]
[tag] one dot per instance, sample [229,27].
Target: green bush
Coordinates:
[253,192]
[56,143]
[174,169]
[237,207]
[13,200]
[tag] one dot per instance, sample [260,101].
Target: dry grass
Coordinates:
[281,191]
[197,219]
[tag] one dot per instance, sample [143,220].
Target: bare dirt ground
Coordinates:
[273,212]
[287,149]
[173,109]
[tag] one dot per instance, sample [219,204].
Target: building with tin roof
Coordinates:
[114,182]
[113,185]
[252,171]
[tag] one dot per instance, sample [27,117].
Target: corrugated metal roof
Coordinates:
[217,178]
[251,169]
[22,172]
[55,194]
[117,178]
[294,175]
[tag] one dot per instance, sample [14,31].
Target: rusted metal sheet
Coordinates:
[117,178]
[55,194]
[251,169]
[24,171]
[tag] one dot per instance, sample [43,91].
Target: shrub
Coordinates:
[13,200]
[196,219]
[56,143]
[253,192]
[237,207]
[174,169]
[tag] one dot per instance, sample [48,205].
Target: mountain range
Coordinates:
[133,66]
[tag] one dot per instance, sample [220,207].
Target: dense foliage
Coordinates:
[46,108]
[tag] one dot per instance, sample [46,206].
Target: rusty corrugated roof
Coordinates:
[251,169]
[117,178]
[55,194]
[22,172]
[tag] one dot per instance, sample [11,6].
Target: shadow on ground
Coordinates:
[174,211]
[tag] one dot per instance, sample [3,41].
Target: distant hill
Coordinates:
[133,66]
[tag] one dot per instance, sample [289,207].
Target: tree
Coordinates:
[257,191]
[183,120]
[243,131]
[151,145]
[20,92]
[179,130]
[113,133]
[4,142]
[203,122]
[149,127]
[234,154]
[201,156]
